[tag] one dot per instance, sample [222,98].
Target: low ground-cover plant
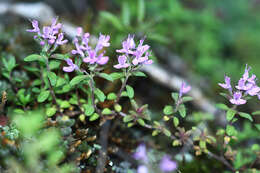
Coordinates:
[72,98]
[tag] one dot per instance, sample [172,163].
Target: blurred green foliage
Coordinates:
[214,37]
[26,146]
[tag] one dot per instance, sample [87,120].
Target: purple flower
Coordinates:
[184,89]
[71,66]
[102,42]
[252,79]
[127,45]
[237,100]
[227,84]
[50,34]
[79,31]
[90,55]
[78,49]
[91,58]
[134,55]
[142,169]
[122,62]
[140,153]
[241,84]
[102,60]
[35,26]
[60,40]
[140,50]
[167,165]
[253,91]
[246,73]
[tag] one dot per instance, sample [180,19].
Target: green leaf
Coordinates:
[182,111]
[175,121]
[124,94]
[9,63]
[76,80]
[118,107]
[60,81]
[186,99]
[245,115]
[176,142]
[82,117]
[66,88]
[65,104]
[34,57]
[60,56]
[168,110]
[51,111]
[134,104]
[139,74]
[167,132]
[127,118]
[106,76]
[43,96]
[202,144]
[36,90]
[31,69]
[54,64]
[94,117]
[106,111]
[257,126]
[230,114]
[114,20]
[241,160]
[88,109]
[101,96]
[130,91]
[141,122]
[256,113]
[231,131]
[116,75]
[222,106]
[141,11]
[53,78]
[111,96]
[175,96]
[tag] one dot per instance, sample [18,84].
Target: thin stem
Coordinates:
[122,87]
[190,142]
[222,160]
[92,90]
[50,86]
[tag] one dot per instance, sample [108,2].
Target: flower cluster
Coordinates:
[166,164]
[90,55]
[246,86]
[50,35]
[133,55]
